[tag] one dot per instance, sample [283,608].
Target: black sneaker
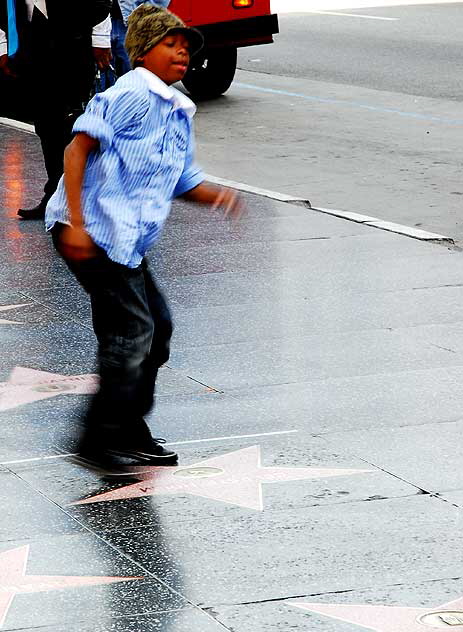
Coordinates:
[152,452]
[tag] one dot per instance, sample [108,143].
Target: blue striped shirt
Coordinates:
[145,158]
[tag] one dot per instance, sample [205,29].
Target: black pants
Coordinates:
[133,327]
[58,75]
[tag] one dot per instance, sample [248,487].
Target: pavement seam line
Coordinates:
[421,490]
[325,593]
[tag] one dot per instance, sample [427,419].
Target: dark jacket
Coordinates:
[74,17]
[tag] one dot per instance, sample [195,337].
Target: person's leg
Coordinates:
[160,345]
[37,68]
[141,445]
[53,137]
[120,58]
[124,327]
[62,85]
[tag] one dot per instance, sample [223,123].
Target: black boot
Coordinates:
[37,212]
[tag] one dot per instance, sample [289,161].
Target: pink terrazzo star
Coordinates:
[29,385]
[392,618]
[14,581]
[5,308]
[235,478]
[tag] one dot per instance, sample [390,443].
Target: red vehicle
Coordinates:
[226,25]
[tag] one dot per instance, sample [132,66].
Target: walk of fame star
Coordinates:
[5,308]
[235,478]
[14,581]
[28,385]
[392,618]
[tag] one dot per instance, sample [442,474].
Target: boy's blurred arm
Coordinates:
[218,197]
[75,242]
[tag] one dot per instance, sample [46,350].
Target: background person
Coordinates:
[59,43]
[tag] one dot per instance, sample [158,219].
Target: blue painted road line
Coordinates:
[352,104]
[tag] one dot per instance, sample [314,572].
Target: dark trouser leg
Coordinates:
[55,118]
[54,136]
[160,346]
[61,74]
[121,60]
[124,326]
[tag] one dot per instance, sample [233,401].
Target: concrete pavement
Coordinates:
[314,395]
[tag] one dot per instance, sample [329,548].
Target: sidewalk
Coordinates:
[314,394]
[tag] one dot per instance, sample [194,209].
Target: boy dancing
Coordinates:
[132,153]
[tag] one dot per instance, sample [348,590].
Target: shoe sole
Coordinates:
[100,468]
[171,459]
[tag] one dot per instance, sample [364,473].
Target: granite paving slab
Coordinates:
[382,400]
[295,317]
[410,452]
[314,257]
[311,357]
[273,555]
[30,514]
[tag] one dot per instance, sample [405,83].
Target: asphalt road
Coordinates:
[418,52]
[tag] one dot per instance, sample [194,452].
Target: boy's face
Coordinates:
[169,59]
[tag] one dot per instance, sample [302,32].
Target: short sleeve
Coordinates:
[110,112]
[192,174]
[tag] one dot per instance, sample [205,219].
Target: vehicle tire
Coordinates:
[211,73]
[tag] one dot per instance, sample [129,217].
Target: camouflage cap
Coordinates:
[148,24]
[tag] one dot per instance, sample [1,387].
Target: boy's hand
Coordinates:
[230,201]
[218,197]
[76,244]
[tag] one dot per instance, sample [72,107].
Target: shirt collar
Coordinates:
[156,85]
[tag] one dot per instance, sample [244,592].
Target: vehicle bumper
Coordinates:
[244,32]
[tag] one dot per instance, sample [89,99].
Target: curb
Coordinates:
[374,222]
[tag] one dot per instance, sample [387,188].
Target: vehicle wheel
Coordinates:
[211,73]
